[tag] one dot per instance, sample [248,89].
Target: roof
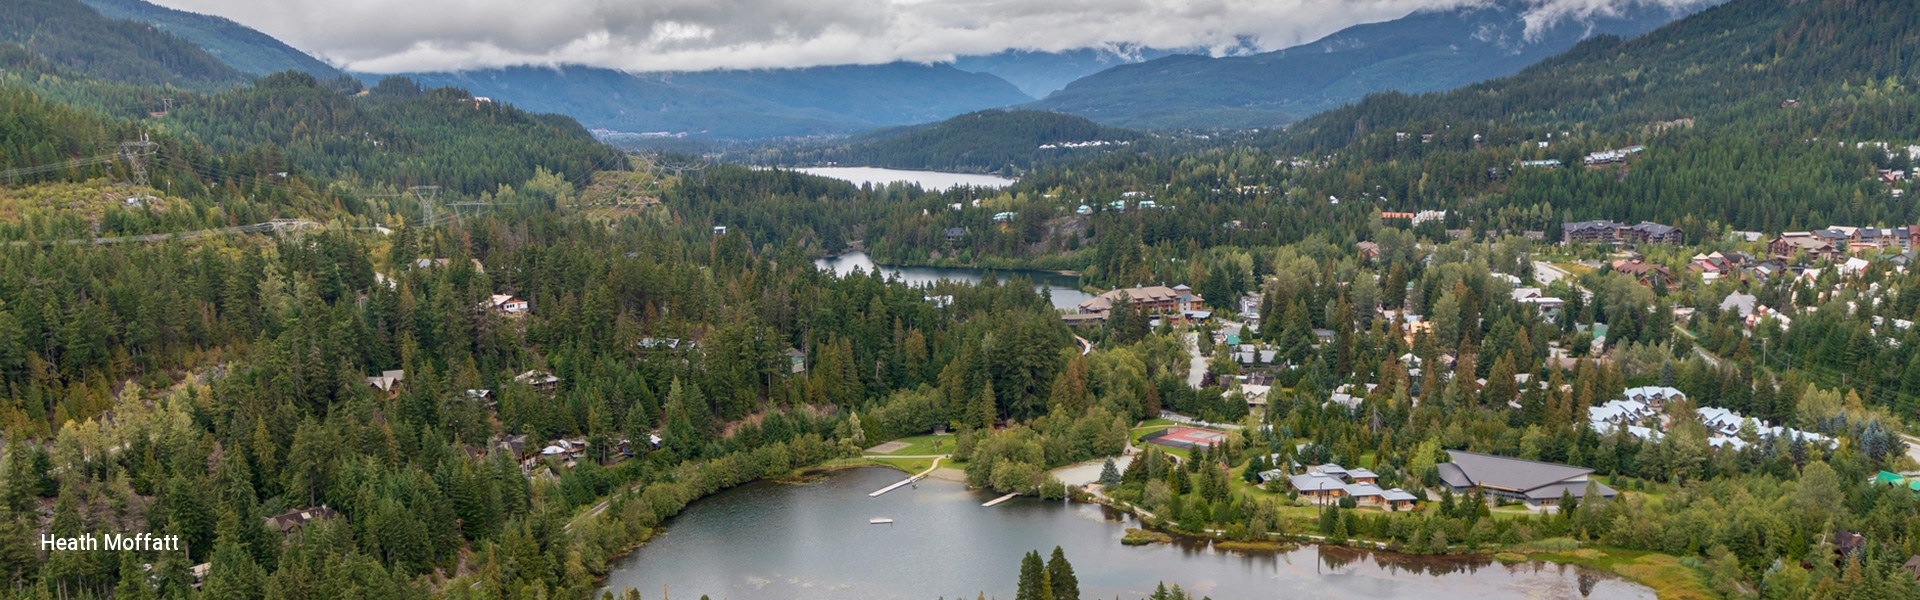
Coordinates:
[1738,301]
[1514,474]
[1578,488]
[1362,474]
[1316,483]
[1453,475]
[1397,495]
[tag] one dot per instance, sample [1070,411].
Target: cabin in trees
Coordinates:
[386,381]
[291,520]
[1534,483]
[506,304]
[1158,299]
[540,380]
[797,360]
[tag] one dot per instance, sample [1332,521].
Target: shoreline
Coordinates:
[1661,573]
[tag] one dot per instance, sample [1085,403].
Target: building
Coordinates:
[537,378]
[797,360]
[1331,482]
[1534,483]
[1648,273]
[386,381]
[955,233]
[298,518]
[1151,299]
[507,304]
[1609,232]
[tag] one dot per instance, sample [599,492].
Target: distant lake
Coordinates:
[931,180]
[1065,288]
[773,541]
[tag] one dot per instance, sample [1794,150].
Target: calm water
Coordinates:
[930,180]
[1065,288]
[812,542]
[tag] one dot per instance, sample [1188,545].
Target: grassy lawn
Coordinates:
[910,465]
[922,445]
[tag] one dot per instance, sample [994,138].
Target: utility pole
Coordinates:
[136,153]
[426,201]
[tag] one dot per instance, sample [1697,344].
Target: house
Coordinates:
[955,233]
[1649,274]
[1368,249]
[1912,566]
[797,360]
[1847,543]
[295,519]
[537,378]
[507,304]
[1151,299]
[1318,487]
[1534,483]
[1004,217]
[1743,303]
[387,380]
[1362,476]
[719,230]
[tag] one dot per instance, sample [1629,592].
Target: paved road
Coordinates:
[1546,273]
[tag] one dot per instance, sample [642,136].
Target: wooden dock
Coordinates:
[1000,499]
[902,483]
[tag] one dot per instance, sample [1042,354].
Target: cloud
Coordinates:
[385,36]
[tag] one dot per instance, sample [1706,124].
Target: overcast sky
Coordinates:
[384,36]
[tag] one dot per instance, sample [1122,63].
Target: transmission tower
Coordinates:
[136,153]
[426,201]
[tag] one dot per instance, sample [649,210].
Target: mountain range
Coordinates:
[1422,52]
[1133,87]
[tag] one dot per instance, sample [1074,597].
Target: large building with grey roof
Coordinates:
[1534,483]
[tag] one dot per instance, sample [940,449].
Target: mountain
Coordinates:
[1040,73]
[1741,66]
[1005,141]
[236,45]
[742,104]
[72,35]
[616,101]
[897,93]
[1424,51]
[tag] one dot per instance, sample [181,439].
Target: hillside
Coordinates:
[77,37]
[1007,142]
[1424,51]
[236,45]
[755,104]
[1734,65]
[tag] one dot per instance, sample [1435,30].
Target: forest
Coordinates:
[353,361]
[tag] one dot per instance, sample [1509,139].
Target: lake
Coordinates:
[812,542]
[930,180]
[1065,288]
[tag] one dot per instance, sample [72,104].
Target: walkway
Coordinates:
[909,480]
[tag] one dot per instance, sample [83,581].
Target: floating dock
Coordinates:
[880,521]
[1000,499]
[908,481]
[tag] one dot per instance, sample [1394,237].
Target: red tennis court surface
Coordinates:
[1185,437]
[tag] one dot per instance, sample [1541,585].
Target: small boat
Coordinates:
[880,521]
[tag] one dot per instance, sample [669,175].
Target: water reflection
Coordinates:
[812,542]
[1064,288]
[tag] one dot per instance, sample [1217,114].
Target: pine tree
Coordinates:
[1032,577]
[1064,584]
